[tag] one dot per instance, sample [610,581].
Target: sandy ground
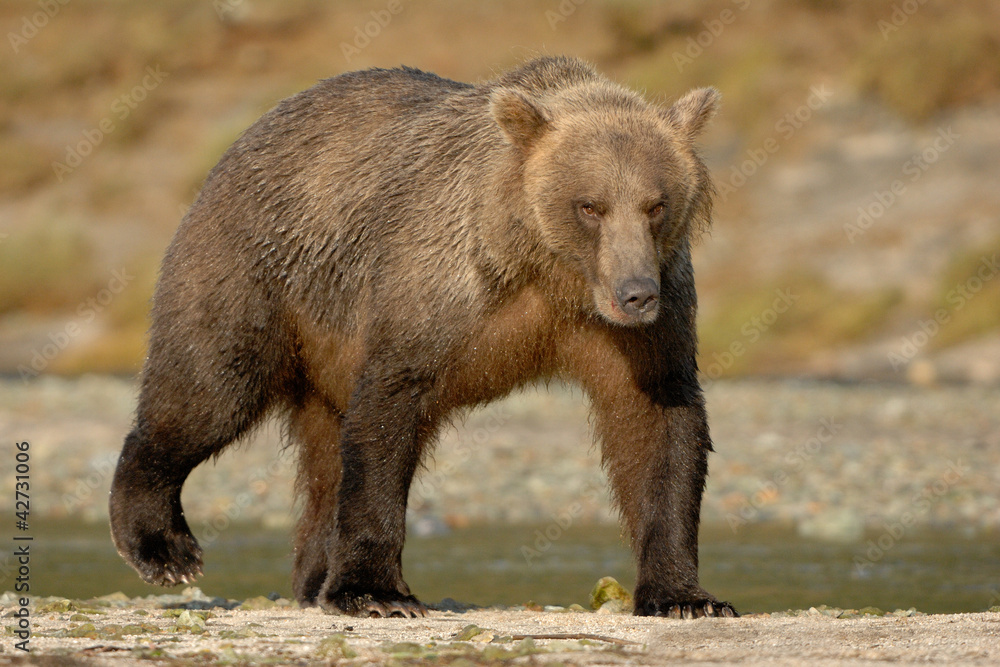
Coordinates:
[287,635]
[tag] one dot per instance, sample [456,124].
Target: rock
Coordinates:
[85,630]
[606,589]
[259,602]
[871,611]
[137,629]
[484,637]
[450,604]
[613,607]
[408,650]
[116,599]
[467,633]
[57,605]
[191,597]
[335,647]
[189,619]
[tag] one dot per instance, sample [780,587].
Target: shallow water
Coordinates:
[763,568]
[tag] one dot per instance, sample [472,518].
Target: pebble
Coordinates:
[608,593]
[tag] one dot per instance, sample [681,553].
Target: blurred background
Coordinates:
[851,274]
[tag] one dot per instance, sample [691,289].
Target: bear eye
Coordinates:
[656,210]
[589,208]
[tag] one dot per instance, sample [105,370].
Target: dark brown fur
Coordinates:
[388,247]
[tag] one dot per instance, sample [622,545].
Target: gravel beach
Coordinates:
[831,459]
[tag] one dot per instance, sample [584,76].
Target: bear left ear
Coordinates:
[522,120]
[694,110]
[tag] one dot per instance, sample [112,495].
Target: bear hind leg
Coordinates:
[315,429]
[385,431]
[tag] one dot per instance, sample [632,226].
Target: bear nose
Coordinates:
[637,296]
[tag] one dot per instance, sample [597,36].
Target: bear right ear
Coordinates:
[522,120]
[693,111]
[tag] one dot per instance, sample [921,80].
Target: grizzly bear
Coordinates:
[389,247]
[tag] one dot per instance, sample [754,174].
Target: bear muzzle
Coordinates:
[636,301]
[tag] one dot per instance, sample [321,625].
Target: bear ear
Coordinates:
[522,120]
[694,110]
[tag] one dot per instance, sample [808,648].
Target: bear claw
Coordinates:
[687,610]
[375,605]
[167,559]
[161,574]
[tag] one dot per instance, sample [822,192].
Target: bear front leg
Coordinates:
[657,461]
[381,443]
[667,536]
[147,521]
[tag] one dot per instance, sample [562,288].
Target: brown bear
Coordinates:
[388,247]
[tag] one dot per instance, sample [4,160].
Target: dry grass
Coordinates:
[121,347]
[949,60]
[49,268]
[773,333]
[970,296]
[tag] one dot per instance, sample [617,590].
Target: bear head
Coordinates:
[614,185]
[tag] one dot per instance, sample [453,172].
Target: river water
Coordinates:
[761,569]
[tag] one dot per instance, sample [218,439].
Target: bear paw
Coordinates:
[374,605]
[682,606]
[164,559]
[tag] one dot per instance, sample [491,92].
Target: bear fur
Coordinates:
[390,247]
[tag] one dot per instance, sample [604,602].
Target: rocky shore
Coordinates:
[831,459]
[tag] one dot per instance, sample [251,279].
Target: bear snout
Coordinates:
[638,298]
